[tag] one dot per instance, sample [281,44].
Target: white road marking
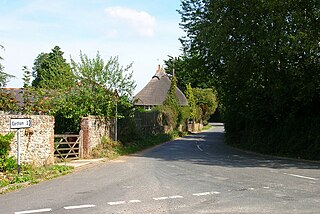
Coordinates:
[79,206]
[160,198]
[134,201]
[116,203]
[199,148]
[266,187]
[300,176]
[206,193]
[34,211]
[175,196]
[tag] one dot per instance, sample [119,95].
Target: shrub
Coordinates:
[6,163]
[5,141]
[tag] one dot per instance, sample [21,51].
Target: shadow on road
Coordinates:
[208,148]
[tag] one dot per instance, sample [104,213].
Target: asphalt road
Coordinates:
[194,174]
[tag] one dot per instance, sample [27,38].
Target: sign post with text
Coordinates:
[19,123]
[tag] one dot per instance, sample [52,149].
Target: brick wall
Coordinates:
[37,142]
[93,129]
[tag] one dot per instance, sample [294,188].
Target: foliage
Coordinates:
[191,102]
[8,102]
[95,92]
[106,149]
[171,110]
[5,161]
[5,141]
[30,175]
[206,101]
[51,71]
[264,59]
[4,77]
[147,142]
[27,91]
[189,68]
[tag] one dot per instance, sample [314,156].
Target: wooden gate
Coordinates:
[68,146]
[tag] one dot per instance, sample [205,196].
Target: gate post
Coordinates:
[85,136]
[81,144]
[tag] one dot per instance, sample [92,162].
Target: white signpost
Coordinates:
[19,123]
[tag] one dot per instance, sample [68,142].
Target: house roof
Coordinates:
[155,92]
[15,93]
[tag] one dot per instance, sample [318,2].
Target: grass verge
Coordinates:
[111,149]
[10,180]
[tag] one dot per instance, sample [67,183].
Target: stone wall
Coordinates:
[148,123]
[195,127]
[37,142]
[93,129]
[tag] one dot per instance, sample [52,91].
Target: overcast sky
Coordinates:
[144,32]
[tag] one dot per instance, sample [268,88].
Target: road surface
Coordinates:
[194,174]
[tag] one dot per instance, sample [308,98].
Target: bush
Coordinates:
[6,163]
[5,141]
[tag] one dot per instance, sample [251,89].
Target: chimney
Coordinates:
[159,68]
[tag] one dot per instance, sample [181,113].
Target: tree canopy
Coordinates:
[51,70]
[98,85]
[264,60]
[4,77]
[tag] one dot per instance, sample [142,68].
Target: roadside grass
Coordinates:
[111,149]
[10,180]
[206,127]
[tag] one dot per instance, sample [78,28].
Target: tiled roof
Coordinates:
[15,93]
[155,92]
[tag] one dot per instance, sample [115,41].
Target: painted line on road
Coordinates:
[134,201]
[205,193]
[175,196]
[116,203]
[160,198]
[301,176]
[79,207]
[199,148]
[34,211]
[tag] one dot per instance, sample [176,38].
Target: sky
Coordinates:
[142,32]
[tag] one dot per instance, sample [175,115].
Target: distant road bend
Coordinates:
[194,174]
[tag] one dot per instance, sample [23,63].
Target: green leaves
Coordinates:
[51,71]
[263,58]
[4,77]
[95,92]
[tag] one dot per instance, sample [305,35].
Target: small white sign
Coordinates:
[18,123]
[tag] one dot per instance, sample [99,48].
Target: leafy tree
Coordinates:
[206,100]
[7,102]
[174,114]
[51,71]
[4,77]
[264,59]
[191,102]
[94,93]
[27,91]
[6,162]
[189,68]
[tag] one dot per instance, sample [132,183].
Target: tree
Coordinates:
[189,68]
[27,91]
[94,93]
[51,71]
[191,102]
[264,59]
[206,100]
[4,77]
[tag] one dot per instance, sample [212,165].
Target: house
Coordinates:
[155,92]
